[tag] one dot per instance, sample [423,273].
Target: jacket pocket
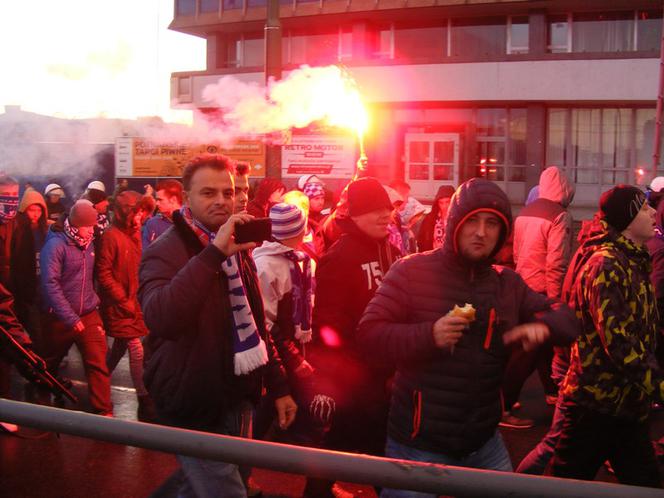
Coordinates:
[417,413]
[489,329]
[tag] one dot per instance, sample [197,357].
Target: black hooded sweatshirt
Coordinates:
[445,402]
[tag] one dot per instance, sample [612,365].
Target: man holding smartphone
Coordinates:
[208,350]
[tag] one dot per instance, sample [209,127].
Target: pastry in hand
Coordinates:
[467,312]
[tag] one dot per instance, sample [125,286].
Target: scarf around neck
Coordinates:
[8,207]
[74,234]
[249,349]
[302,293]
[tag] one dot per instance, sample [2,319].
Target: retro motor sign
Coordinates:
[323,155]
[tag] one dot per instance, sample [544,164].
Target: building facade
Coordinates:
[456,89]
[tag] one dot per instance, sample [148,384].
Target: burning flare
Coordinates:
[308,94]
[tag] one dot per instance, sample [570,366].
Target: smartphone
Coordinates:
[256,230]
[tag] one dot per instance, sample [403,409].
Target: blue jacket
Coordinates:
[153,228]
[66,278]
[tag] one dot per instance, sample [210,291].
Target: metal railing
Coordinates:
[361,469]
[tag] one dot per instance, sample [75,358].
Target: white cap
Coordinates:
[54,189]
[657,184]
[304,179]
[97,185]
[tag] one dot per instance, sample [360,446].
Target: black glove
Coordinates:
[322,408]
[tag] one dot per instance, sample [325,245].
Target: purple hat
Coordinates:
[288,221]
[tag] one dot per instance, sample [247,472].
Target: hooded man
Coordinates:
[543,234]
[29,238]
[117,265]
[432,229]
[613,375]
[542,250]
[68,296]
[446,400]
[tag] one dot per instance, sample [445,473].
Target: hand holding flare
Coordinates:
[448,329]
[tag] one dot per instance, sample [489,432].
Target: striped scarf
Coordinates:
[302,294]
[249,350]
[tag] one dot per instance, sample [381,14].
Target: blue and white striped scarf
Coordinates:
[249,350]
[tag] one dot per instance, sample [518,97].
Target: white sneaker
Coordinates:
[7,427]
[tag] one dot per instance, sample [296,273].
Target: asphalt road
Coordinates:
[37,464]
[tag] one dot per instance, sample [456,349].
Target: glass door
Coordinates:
[432,160]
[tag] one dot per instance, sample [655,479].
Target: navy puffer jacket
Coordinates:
[446,402]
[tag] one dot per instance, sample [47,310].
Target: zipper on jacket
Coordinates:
[83,282]
[417,413]
[489,330]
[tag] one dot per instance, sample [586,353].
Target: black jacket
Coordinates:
[23,272]
[189,366]
[446,402]
[346,279]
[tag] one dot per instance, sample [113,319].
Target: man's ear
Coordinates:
[185,198]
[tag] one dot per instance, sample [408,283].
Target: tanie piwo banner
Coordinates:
[323,155]
[138,157]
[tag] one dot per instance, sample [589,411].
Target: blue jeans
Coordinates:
[492,456]
[536,461]
[539,457]
[212,479]
[135,348]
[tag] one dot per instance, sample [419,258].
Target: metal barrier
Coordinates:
[361,469]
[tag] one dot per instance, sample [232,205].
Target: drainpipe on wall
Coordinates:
[658,118]
[272,70]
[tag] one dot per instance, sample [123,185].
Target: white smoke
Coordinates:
[73,152]
[306,95]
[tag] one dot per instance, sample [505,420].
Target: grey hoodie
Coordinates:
[543,235]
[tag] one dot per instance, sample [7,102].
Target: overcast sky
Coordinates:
[85,58]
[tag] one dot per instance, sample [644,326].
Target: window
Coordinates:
[420,42]
[253,54]
[603,146]
[408,42]
[501,144]
[624,31]
[384,42]
[345,42]
[320,48]
[245,50]
[517,35]
[603,32]
[186,7]
[649,30]
[559,32]
[233,4]
[491,127]
[477,38]
[207,6]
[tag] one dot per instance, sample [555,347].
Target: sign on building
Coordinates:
[139,157]
[323,155]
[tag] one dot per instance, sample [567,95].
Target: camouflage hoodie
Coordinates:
[613,368]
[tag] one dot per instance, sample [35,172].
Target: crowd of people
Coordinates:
[339,330]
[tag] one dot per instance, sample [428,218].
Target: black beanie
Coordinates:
[620,205]
[95,196]
[366,195]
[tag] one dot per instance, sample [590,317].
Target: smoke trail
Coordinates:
[306,95]
[73,152]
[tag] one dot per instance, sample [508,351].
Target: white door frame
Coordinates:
[425,189]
